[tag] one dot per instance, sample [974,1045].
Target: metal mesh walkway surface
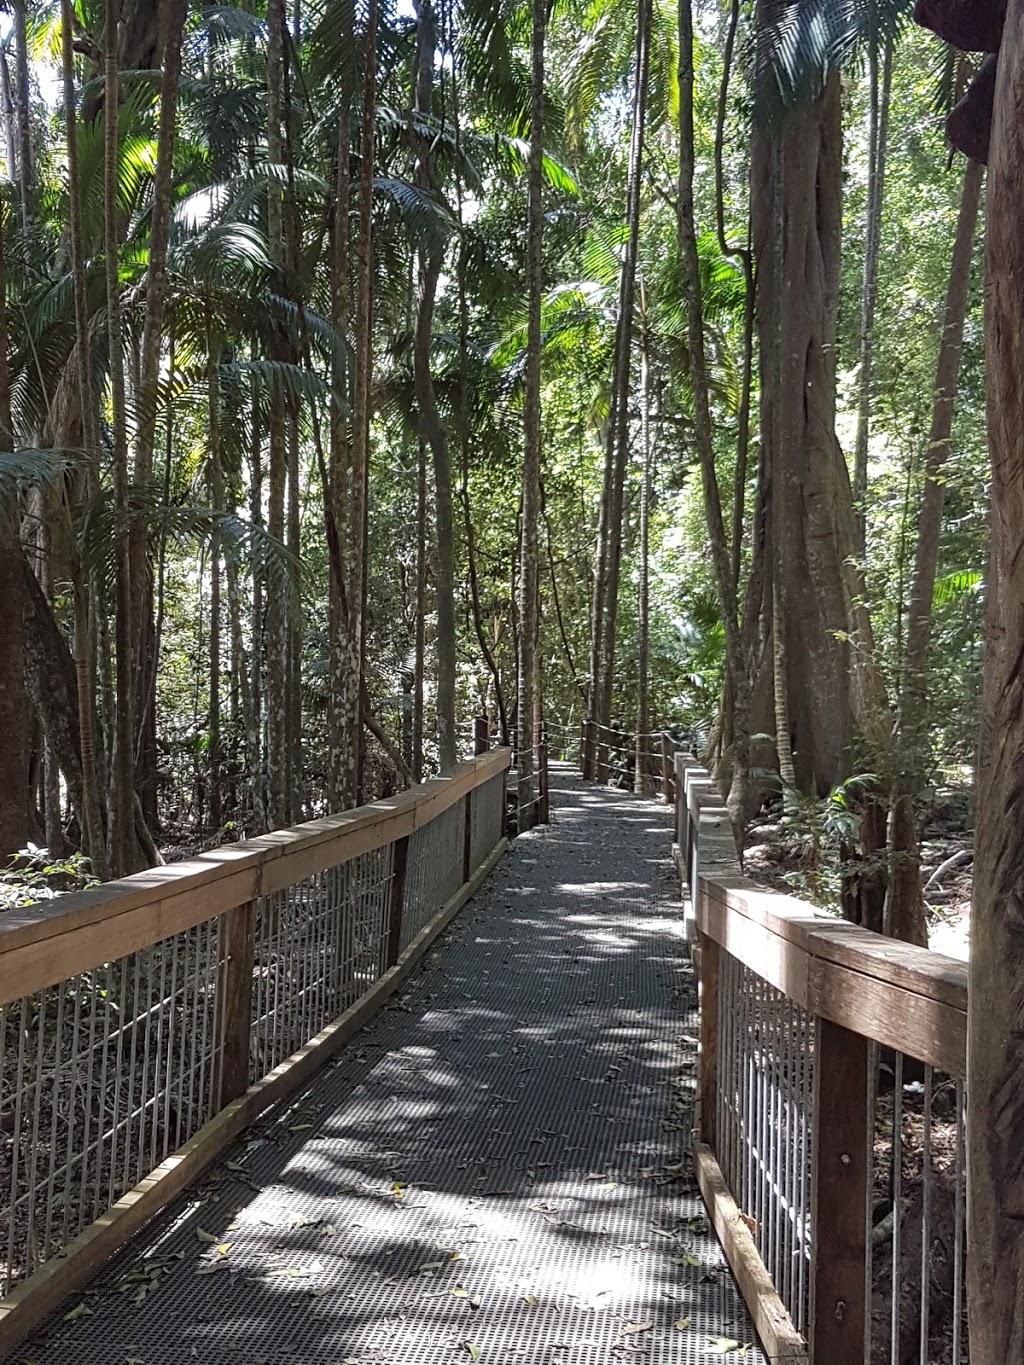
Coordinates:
[494,1170]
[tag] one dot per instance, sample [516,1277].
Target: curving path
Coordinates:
[494,1170]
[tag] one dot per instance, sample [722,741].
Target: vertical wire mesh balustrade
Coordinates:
[832,1114]
[133,1015]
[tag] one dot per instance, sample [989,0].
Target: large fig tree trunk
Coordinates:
[801,181]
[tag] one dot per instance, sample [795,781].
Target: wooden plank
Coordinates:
[79,909]
[838,1293]
[918,1025]
[780,1339]
[30,1302]
[927,1029]
[918,969]
[237,932]
[708,1079]
[81,931]
[781,963]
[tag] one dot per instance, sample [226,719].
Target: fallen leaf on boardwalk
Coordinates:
[236,1166]
[721,1346]
[530,1299]
[476,1303]
[681,1324]
[611,1185]
[224,1247]
[432,1265]
[474,1351]
[459,1293]
[80,1310]
[205,1236]
[688,1259]
[632,1328]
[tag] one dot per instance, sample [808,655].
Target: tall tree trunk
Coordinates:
[643,623]
[23,116]
[528,568]
[122,842]
[619,426]
[798,184]
[343,695]
[255,751]
[464,424]
[172,18]
[703,433]
[420,647]
[363,387]
[93,838]
[878,145]
[16,718]
[431,426]
[279,776]
[905,910]
[995,1029]
[215,477]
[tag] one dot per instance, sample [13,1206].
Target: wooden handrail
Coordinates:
[856,987]
[41,945]
[896,994]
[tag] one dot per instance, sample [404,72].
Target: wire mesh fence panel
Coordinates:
[320,944]
[102,1076]
[486,819]
[763,1117]
[916,1214]
[434,869]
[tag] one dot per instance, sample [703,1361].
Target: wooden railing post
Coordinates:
[396,901]
[481,735]
[708,1081]
[543,784]
[238,949]
[666,768]
[603,755]
[589,763]
[839,1191]
[467,841]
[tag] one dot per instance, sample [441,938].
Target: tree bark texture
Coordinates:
[905,911]
[801,183]
[725,584]
[995,1056]
[528,565]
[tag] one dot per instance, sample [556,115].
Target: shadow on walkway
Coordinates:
[494,1170]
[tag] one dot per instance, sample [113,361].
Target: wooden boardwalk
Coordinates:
[495,1170]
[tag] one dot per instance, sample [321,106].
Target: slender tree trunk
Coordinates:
[23,116]
[528,569]
[431,427]
[7,111]
[343,697]
[643,624]
[995,1029]
[905,909]
[279,776]
[16,802]
[216,485]
[703,434]
[418,695]
[464,427]
[254,748]
[619,435]
[362,401]
[123,857]
[93,838]
[878,142]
